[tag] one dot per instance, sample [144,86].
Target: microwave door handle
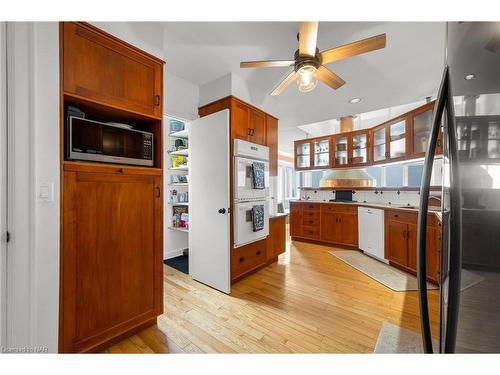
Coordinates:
[422,215]
[455,227]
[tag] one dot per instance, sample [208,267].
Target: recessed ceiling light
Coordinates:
[469,77]
[354,100]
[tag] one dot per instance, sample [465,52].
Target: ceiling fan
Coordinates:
[309,63]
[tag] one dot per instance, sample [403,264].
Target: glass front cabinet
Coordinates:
[303,154]
[321,155]
[421,125]
[390,141]
[404,137]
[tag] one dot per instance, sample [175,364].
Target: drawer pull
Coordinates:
[121,170]
[396,215]
[311,221]
[241,260]
[258,252]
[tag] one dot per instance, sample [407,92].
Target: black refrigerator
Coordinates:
[468,113]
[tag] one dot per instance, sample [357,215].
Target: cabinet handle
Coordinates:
[252,132]
[121,170]
[396,215]
[158,192]
[157,100]
[311,221]
[404,234]
[258,252]
[241,260]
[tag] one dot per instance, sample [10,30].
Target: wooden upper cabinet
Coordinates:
[320,148]
[303,154]
[379,144]
[420,122]
[100,68]
[272,143]
[359,150]
[112,252]
[240,121]
[257,122]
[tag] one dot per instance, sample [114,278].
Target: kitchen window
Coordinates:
[288,180]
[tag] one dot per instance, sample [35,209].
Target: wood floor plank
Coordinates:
[307,302]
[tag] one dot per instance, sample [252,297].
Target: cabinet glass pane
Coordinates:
[398,139]
[379,144]
[493,139]
[303,153]
[422,124]
[322,153]
[341,151]
[359,148]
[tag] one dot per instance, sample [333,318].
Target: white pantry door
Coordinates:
[209,217]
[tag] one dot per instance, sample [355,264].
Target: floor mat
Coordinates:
[180,263]
[394,339]
[385,274]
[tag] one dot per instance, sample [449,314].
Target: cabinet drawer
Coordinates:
[310,206]
[339,208]
[248,257]
[307,214]
[310,232]
[311,220]
[405,217]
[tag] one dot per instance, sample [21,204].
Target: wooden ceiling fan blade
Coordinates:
[308,36]
[292,76]
[328,77]
[266,64]
[352,49]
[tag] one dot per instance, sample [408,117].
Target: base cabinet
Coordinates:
[332,223]
[276,241]
[401,242]
[111,257]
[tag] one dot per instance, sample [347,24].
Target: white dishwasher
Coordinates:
[371,232]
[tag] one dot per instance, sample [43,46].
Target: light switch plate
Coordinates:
[46,192]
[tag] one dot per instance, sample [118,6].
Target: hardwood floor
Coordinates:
[307,302]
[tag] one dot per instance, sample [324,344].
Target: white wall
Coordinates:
[215,90]
[33,253]
[181,97]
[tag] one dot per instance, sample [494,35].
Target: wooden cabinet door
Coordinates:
[431,253]
[257,127]
[396,243]
[295,220]
[100,68]
[348,234]
[272,143]
[330,227]
[240,121]
[276,241]
[112,269]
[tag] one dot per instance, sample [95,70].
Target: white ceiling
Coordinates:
[407,70]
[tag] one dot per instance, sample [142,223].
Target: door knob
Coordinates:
[222,210]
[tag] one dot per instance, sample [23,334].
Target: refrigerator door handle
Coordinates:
[455,225]
[422,213]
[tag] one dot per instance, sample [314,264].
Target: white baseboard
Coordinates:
[172,253]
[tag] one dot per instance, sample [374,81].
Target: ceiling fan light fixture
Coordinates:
[354,100]
[307,80]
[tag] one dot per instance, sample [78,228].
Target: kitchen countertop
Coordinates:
[435,212]
[277,215]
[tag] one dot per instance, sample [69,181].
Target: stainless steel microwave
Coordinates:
[97,141]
